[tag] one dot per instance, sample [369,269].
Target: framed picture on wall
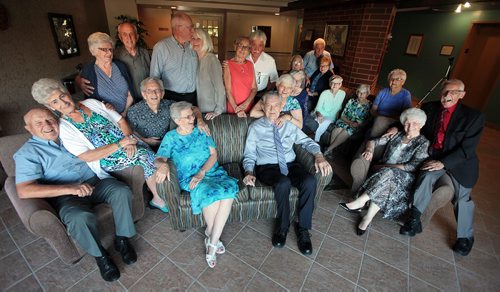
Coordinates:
[64,35]
[446,50]
[336,38]
[414,44]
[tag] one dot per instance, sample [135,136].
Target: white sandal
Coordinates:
[220,246]
[211,257]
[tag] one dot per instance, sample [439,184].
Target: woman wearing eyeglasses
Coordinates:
[239,79]
[109,78]
[319,81]
[150,118]
[390,103]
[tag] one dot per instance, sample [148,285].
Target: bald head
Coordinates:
[42,123]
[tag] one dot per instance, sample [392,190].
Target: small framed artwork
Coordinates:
[64,35]
[309,35]
[414,44]
[336,38]
[446,50]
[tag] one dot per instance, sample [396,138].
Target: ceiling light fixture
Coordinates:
[467,4]
[173,7]
[459,8]
[277,13]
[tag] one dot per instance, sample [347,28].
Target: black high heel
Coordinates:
[360,231]
[344,206]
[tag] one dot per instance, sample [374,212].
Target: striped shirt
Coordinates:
[175,65]
[112,90]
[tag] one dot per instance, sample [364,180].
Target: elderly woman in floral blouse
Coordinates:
[150,118]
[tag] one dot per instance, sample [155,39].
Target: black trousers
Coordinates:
[298,177]
[175,96]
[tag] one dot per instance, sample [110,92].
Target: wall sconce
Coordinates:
[459,7]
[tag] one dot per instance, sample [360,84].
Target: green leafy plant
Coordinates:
[140,30]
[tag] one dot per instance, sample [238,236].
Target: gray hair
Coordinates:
[97,38]
[258,34]
[302,73]
[129,23]
[335,77]
[270,94]
[399,72]
[319,41]
[294,57]
[363,88]
[455,82]
[208,46]
[287,79]
[177,107]
[43,88]
[414,113]
[154,79]
[178,16]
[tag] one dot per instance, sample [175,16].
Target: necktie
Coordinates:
[280,151]
[441,130]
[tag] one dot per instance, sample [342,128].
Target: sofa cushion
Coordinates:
[234,170]
[265,192]
[8,146]
[229,133]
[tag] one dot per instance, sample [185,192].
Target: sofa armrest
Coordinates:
[40,218]
[170,191]
[134,177]
[307,159]
[360,166]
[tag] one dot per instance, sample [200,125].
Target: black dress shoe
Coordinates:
[108,269]
[360,231]
[463,245]
[411,227]
[304,241]
[344,206]
[126,250]
[279,239]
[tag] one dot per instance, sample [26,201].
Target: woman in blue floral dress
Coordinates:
[356,114]
[211,189]
[97,135]
[291,111]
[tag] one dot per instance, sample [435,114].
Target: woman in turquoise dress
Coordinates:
[97,135]
[291,111]
[356,114]
[211,189]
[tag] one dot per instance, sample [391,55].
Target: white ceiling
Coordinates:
[266,6]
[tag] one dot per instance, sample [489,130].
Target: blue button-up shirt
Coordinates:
[260,148]
[49,163]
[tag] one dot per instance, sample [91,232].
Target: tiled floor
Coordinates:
[379,260]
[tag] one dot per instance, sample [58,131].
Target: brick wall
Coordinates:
[369,26]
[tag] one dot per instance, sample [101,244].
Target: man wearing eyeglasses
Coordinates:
[266,74]
[312,57]
[454,130]
[175,62]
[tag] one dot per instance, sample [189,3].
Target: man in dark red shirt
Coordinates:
[454,130]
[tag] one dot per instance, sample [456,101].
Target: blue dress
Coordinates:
[189,153]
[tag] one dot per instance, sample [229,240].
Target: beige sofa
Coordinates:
[229,133]
[39,217]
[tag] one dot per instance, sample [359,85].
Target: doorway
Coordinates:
[478,65]
[213,24]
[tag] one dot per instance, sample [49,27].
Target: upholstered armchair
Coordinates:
[39,217]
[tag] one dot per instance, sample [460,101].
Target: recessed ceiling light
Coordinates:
[277,13]
[173,7]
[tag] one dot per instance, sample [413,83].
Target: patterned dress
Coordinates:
[189,153]
[100,132]
[389,188]
[354,112]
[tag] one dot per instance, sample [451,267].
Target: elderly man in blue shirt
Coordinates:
[45,169]
[269,157]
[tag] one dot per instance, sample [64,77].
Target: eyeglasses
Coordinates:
[246,48]
[325,66]
[151,91]
[336,83]
[454,93]
[396,79]
[188,117]
[297,63]
[106,50]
